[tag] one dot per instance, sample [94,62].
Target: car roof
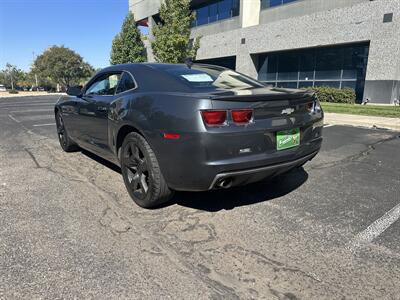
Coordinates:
[159,66]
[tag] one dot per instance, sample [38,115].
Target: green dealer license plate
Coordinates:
[287,139]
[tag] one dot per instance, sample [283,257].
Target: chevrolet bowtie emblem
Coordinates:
[287,111]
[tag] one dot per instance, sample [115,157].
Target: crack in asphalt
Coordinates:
[282,296]
[117,224]
[33,158]
[221,290]
[282,266]
[209,273]
[352,158]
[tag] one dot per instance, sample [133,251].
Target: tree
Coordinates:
[11,76]
[62,65]
[172,42]
[127,46]
[39,80]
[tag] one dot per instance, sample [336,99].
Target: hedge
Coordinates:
[334,95]
[13,92]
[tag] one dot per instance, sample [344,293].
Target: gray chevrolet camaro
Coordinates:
[173,127]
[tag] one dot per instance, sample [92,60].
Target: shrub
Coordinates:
[334,95]
[13,92]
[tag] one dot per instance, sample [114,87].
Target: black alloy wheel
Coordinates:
[141,172]
[137,170]
[66,143]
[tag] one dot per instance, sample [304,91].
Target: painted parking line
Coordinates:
[14,119]
[48,124]
[34,118]
[376,228]
[26,102]
[26,105]
[30,111]
[328,125]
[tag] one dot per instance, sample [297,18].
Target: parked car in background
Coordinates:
[189,127]
[37,89]
[2,88]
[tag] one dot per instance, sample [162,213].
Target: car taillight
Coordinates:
[310,106]
[314,107]
[317,106]
[214,117]
[242,116]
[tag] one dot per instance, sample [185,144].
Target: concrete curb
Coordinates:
[363,121]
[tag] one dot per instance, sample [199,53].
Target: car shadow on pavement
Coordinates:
[217,200]
[102,161]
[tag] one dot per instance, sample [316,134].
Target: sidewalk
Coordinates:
[364,121]
[26,94]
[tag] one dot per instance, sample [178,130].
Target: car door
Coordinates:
[93,112]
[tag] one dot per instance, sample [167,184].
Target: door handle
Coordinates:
[88,98]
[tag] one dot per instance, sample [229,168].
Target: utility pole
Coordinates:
[33,61]
[12,81]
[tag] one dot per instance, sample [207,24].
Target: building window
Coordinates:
[215,11]
[272,3]
[226,62]
[336,66]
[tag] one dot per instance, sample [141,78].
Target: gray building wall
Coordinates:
[303,7]
[144,8]
[314,23]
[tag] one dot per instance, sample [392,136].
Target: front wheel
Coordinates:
[65,142]
[141,173]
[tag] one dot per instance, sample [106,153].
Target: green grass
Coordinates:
[367,110]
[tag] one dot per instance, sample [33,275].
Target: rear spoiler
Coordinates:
[294,97]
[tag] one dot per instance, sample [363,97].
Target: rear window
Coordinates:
[208,77]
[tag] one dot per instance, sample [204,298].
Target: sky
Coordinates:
[86,26]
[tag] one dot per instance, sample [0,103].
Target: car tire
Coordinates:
[65,141]
[142,174]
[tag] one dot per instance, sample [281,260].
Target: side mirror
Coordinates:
[75,91]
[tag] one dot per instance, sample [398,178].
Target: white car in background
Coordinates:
[2,88]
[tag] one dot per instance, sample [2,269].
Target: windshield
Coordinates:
[208,76]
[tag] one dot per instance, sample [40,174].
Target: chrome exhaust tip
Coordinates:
[225,183]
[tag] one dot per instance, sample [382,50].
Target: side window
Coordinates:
[104,85]
[126,83]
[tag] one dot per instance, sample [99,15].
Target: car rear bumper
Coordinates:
[249,170]
[235,178]
[198,162]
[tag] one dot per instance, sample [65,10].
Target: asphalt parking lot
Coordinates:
[68,229]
